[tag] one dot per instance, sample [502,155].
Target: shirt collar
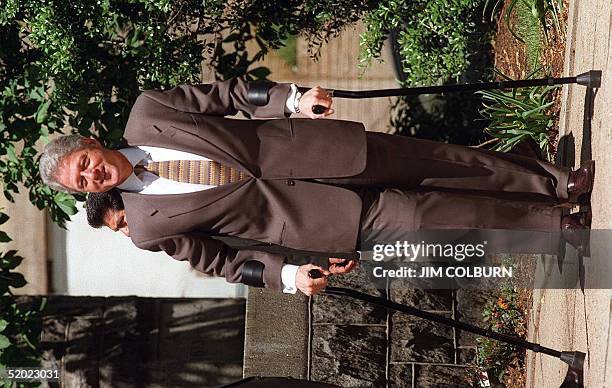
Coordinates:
[134,155]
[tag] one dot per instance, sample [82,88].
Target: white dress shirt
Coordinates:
[151,184]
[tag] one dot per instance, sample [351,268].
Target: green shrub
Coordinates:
[504,314]
[539,9]
[506,317]
[435,42]
[436,39]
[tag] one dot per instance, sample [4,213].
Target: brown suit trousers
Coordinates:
[455,187]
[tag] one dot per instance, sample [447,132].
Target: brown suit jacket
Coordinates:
[278,205]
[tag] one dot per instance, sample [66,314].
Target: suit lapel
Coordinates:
[181,140]
[171,205]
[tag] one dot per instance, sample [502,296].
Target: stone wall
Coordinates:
[343,341]
[136,342]
[355,344]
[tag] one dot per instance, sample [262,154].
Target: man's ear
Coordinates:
[92,142]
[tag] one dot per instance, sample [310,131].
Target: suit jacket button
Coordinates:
[290,182]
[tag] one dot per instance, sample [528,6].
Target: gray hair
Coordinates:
[53,154]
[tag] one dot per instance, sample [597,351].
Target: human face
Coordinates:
[93,169]
[115,220]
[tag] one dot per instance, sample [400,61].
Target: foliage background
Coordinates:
[78,66]
[434,42]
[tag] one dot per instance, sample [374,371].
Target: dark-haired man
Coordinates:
[106,209]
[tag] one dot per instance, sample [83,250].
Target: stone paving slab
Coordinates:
[349,355]
[331,309]
[418,340]
[277,334]
[575,319]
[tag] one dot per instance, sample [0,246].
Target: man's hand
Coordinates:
[316,96]
[338,266]
[307,285]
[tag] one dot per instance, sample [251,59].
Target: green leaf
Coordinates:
[66,203]
[37,93]
[4,237]
[135,38]
[12,156]
[260,72]
[9,254]
[43,304]
[67,207]
[3,218]
[41,113]
[14,263]
[232,37]
[28,341]
[3,325]
[16,280]
[4,342]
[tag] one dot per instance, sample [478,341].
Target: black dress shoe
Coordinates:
[580,182]
[575,228]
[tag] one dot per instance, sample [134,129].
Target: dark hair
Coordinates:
[97,204]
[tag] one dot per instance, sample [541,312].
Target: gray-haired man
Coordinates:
[301,184]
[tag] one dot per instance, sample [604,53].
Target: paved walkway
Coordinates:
[576,319]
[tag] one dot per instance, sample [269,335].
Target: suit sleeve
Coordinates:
[213,257]
[222,98]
